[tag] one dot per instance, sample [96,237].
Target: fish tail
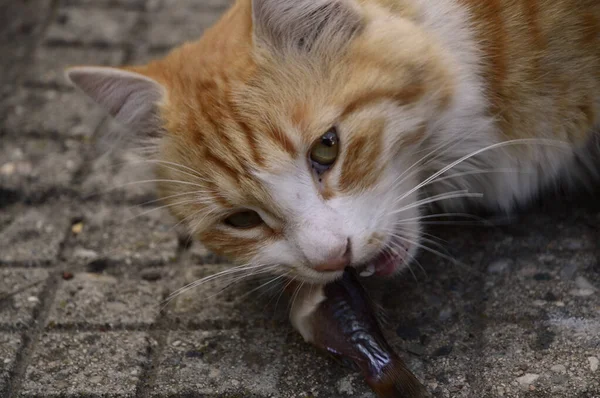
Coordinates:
[396,381]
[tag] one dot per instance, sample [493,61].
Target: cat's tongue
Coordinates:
[385,264]
[382,265]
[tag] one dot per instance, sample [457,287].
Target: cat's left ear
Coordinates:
[306,25]
[130,97]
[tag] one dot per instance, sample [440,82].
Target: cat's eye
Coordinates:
[244,219]
[325,151]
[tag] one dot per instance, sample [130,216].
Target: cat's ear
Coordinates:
[130,97]
[309,25]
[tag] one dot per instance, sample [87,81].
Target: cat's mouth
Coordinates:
[387,262]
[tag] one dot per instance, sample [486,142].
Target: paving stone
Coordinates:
[37,166]
[10,343]
[220,363]
[514,364]
[97,364]
[116,237]
[101,299]
[48,111]
[72,25]
[35,236]
[49,63]
[20,290]
[536,287]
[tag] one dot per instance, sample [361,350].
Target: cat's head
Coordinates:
[286,136]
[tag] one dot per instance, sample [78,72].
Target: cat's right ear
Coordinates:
[130,97]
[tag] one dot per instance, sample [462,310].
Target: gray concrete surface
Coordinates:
[83,277]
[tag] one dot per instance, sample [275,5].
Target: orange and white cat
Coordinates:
[299,137]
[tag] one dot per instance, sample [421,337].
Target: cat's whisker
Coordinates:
[232,270]
[438,215]
[290,281]
[151,181]
[441,195]
[436,252]
[193,173]
[434,151]
[295,295]
[393,251]
[412,258]
[478,172]
[168,205]
[216,277]
[435,199]
[177,195]
[428,240]
[437,239]
[264,285]
[524,141]
[242,278]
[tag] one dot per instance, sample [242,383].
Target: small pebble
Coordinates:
[561,369]
[33,299]
[594,363]
[499,266]
[151,275]
[85,254]
[7,169]
[344,386]
[527,380]
[67,275]
[582,292]
[176,343]
[584,284]
[445,314]
[568,271]
[77,228]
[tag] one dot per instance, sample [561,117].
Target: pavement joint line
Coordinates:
[31,336]
[113,5]
[151,367]
[32,44]
[94,45]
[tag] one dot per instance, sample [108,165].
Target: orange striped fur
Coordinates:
[240,109]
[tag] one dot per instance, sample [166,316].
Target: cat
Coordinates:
[300,137]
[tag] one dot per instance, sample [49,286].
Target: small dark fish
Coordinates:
[339,319]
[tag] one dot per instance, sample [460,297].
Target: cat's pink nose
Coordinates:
[336,263]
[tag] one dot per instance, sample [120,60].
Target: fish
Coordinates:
[339,318]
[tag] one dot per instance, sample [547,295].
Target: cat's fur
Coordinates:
[507,93]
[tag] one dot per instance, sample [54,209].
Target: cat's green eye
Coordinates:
[244,219]
[325,151]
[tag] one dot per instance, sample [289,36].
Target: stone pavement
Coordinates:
[84,276]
